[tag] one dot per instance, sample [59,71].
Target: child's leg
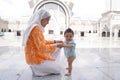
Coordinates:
[70,61]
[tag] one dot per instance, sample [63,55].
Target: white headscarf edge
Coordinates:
[34,20]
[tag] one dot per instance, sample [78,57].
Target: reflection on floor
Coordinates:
[82,42]
[90,64]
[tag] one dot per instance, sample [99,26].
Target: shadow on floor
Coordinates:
[49,77]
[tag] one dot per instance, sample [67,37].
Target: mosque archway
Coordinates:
[105,31]
[60,14]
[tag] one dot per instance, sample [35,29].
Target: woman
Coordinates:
[38,50]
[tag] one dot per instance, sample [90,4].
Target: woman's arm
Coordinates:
[53,41]
[40,42]
[49,41]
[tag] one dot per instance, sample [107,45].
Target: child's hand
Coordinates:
[67,46]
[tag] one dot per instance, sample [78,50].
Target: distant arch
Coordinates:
[61,4]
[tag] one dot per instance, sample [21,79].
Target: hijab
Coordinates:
[35,20]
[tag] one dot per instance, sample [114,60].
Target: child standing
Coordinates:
[69,49]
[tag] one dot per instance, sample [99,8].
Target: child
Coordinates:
[69,49]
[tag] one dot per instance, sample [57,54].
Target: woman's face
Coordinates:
[45,21]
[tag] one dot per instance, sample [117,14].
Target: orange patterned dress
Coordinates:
[37,48]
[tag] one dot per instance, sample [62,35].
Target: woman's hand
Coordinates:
[58,41]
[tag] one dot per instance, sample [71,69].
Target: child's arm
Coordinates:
[67,46]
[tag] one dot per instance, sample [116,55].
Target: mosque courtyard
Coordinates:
[97,59]
[97,35]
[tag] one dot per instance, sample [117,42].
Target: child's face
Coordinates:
[68,36]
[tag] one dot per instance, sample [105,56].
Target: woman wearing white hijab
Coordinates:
[38,51]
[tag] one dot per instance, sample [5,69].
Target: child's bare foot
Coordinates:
[68,74]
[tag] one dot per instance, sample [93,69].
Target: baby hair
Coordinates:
[69,30]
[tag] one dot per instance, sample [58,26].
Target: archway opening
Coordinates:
[60,15]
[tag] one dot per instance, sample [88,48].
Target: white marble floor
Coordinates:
[90,64]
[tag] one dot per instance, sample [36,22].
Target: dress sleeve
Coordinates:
[49,42]
[73,44]
[40,42]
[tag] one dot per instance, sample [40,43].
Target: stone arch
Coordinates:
[116,30]
[105,31]
[57,2]
[105,28]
